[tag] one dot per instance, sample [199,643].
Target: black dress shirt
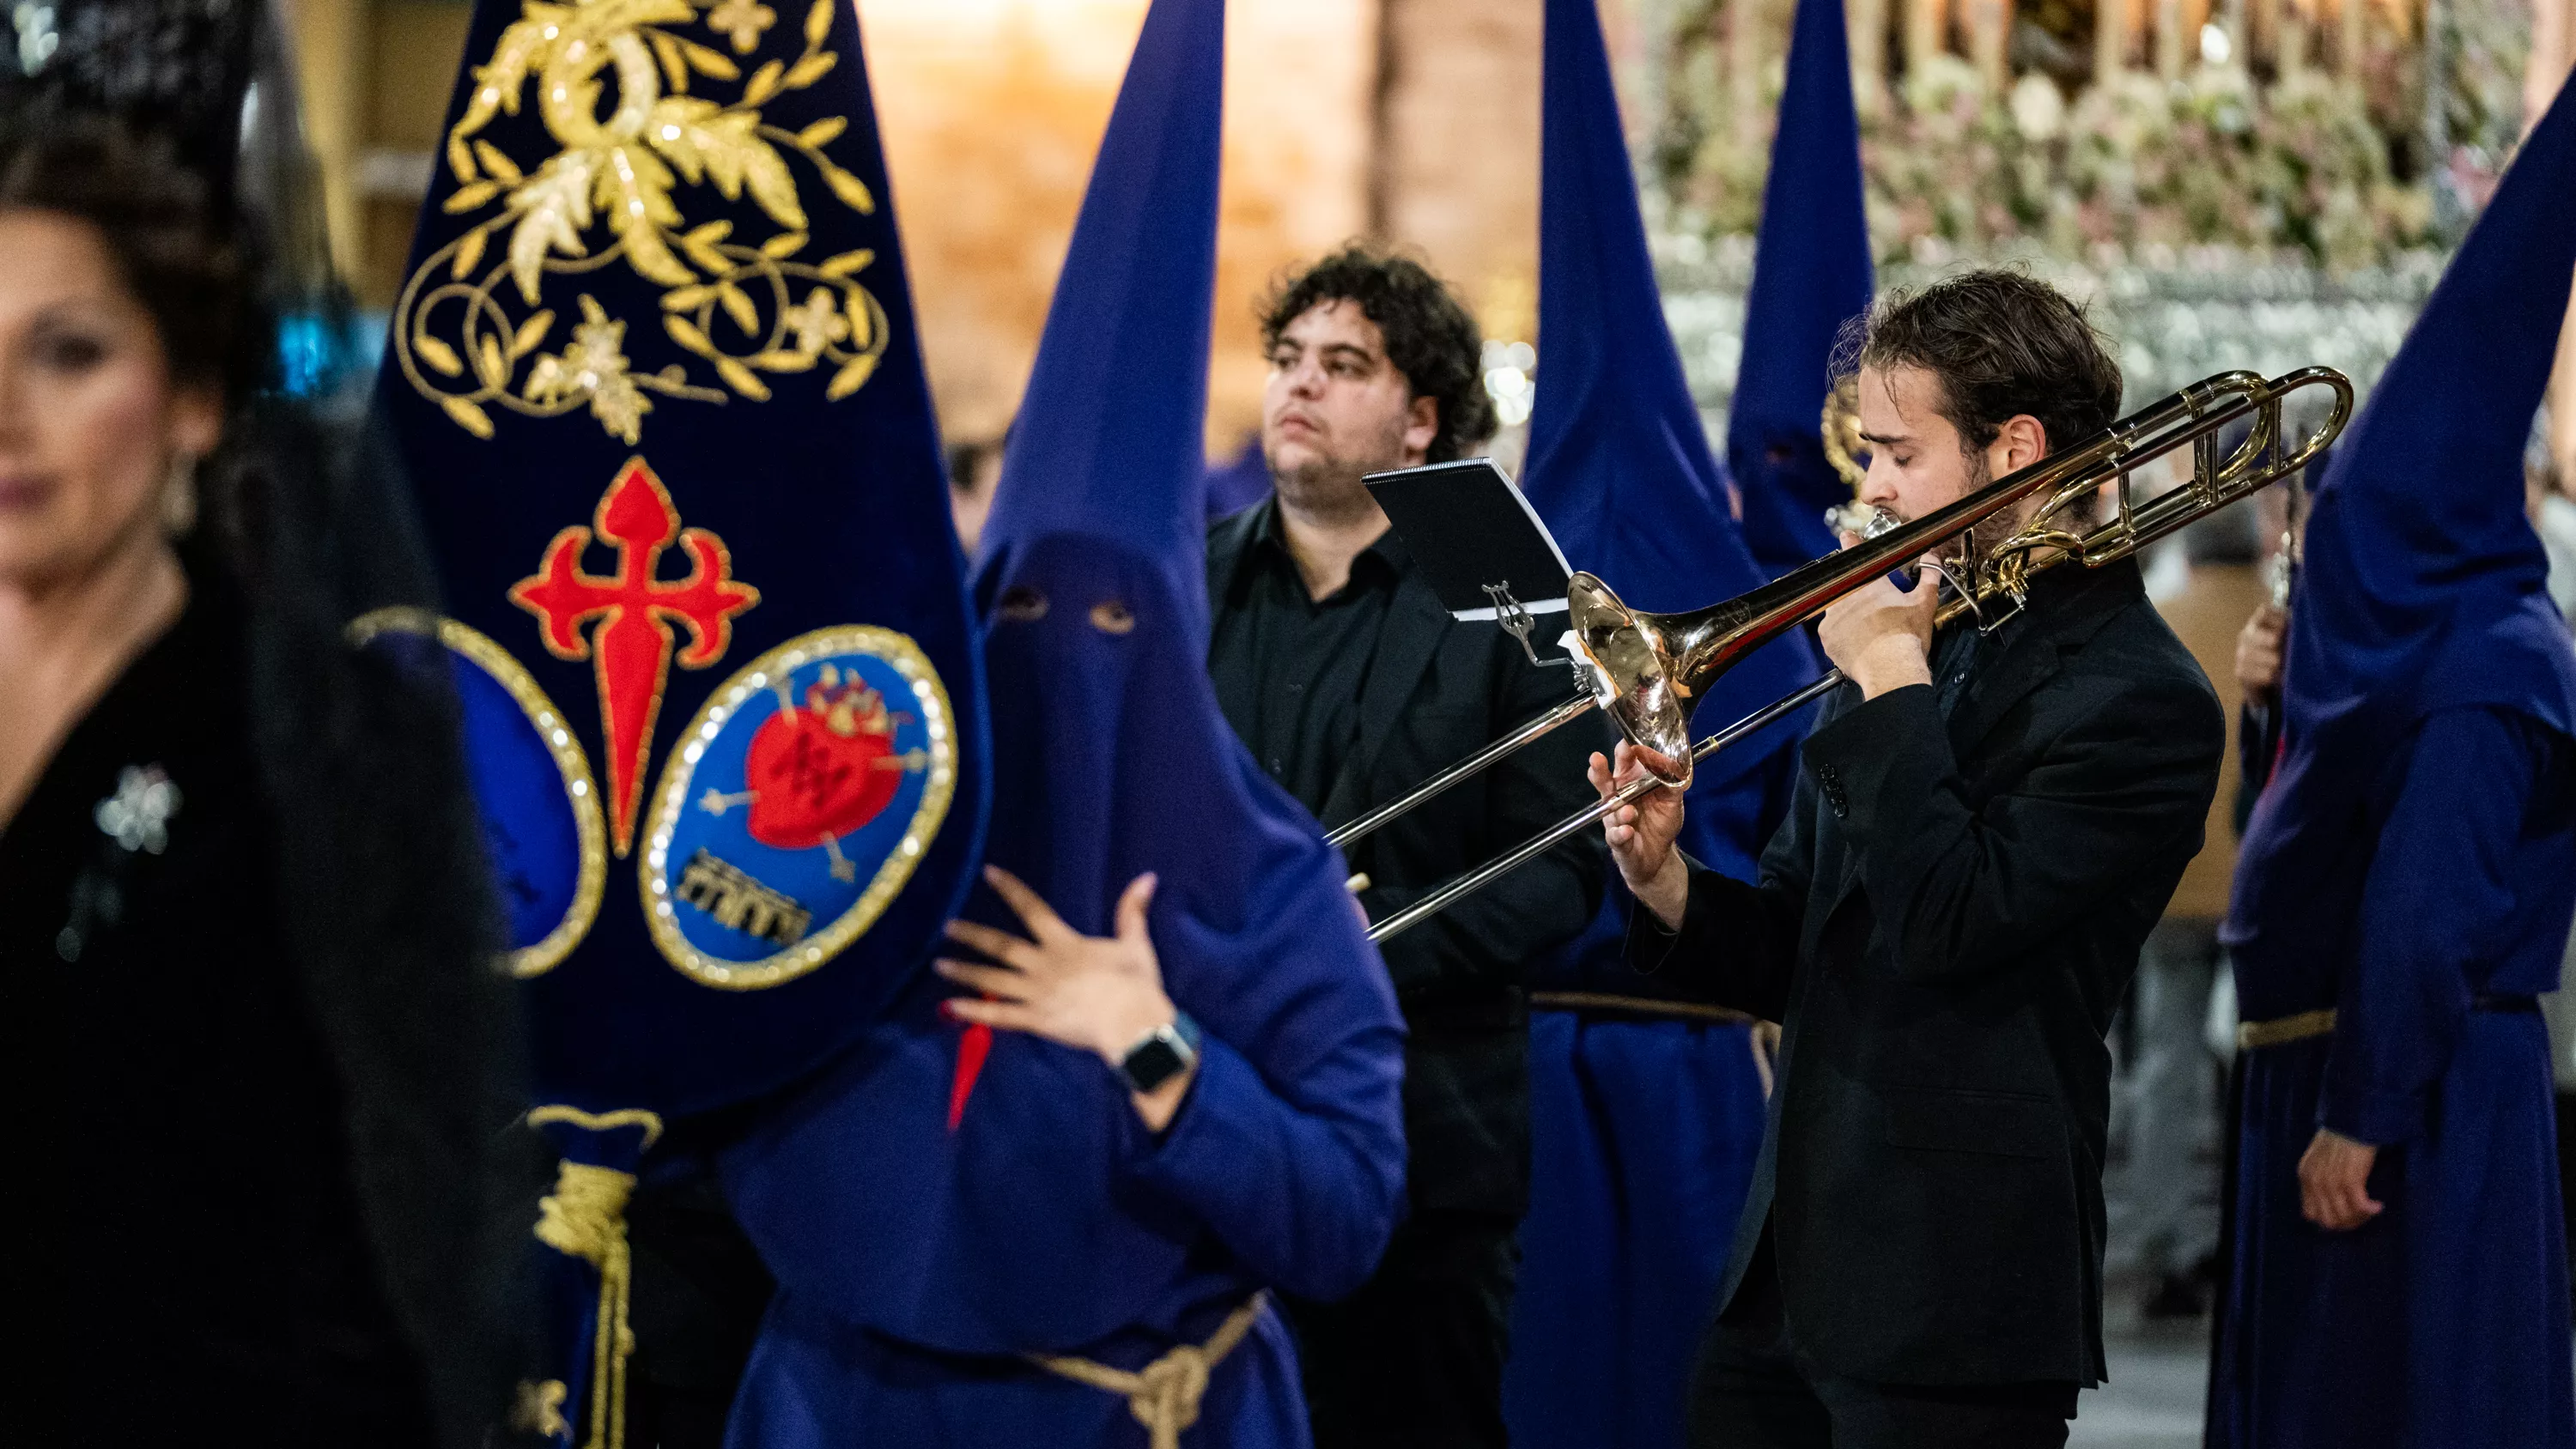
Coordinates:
[1352,700]
[1291,665]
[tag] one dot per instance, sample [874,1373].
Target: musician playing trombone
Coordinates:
[1987,821]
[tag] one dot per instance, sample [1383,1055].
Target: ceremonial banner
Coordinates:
[1811,274]
[654,372]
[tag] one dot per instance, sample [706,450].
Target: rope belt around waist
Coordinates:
[1164,1395]
[1647,1006]
[2282,1030]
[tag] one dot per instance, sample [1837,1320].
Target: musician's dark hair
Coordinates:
[2001,343]
[1430,337]
[169,239]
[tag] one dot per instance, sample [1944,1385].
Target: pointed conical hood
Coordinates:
[1619,465]
[1811,274]
[969,1191]
[2422,580]
[2423,584]
[1107,444]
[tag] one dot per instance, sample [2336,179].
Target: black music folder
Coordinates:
[1473,534]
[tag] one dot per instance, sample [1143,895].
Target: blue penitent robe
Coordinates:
[2445,1319]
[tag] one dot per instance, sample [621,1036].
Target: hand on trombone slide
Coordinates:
[1641,835]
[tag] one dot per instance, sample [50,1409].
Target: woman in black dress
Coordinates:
[264,1066]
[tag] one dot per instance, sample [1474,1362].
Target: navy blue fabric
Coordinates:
[2445,1319]
[2416,849]
[1637,1174]
[1023,1206]
[835,511]
[1811,273]
[1643,1136]
[2422,585]
[1620,468]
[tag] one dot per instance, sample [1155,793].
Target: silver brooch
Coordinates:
[137,816]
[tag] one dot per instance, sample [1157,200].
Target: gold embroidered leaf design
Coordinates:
[737,305]
[469,250]
[594,367]
[742,379]
[852,191]
[811,69]
[709,63]
[503,169]
[553,207]
[469,417]
[686,333]
[852,376]
[675,66]
[611,81]
[438,354]
[531,333]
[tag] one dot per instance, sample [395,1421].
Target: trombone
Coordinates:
[1648,671]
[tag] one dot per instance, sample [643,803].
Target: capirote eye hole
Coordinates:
[1022,605]
[1111,616]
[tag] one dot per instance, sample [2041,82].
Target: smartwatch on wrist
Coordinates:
[1165,1053]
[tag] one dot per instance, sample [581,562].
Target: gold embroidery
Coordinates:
[650,1121]
[736,901]
[672,797]
[539,1409]
[458,339]
[590,827]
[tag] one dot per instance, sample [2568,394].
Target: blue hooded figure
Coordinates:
[985,1236]
[1646,1114]
[1811,274]
[2400,1267]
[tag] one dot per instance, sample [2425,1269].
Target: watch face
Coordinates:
[1152,1063]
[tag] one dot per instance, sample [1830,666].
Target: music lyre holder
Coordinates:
[1516,621]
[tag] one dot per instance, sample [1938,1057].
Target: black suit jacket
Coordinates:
[1437,691]
[1944,924]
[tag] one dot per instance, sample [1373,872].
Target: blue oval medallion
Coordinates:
[532,783]
[796,805]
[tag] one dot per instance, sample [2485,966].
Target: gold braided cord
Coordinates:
[1164,1395]
[585,1218]
[651,1122]
[2280,1031]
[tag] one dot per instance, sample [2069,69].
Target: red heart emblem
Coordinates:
[818,772]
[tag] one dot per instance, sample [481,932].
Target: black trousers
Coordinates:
[1414,1359]
[1753,1389]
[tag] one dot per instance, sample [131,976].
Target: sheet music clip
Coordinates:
[1516,621]
[1479,544]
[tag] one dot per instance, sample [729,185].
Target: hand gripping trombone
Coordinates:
[1649,670]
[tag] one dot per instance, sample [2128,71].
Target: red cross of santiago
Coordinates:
[631,648]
